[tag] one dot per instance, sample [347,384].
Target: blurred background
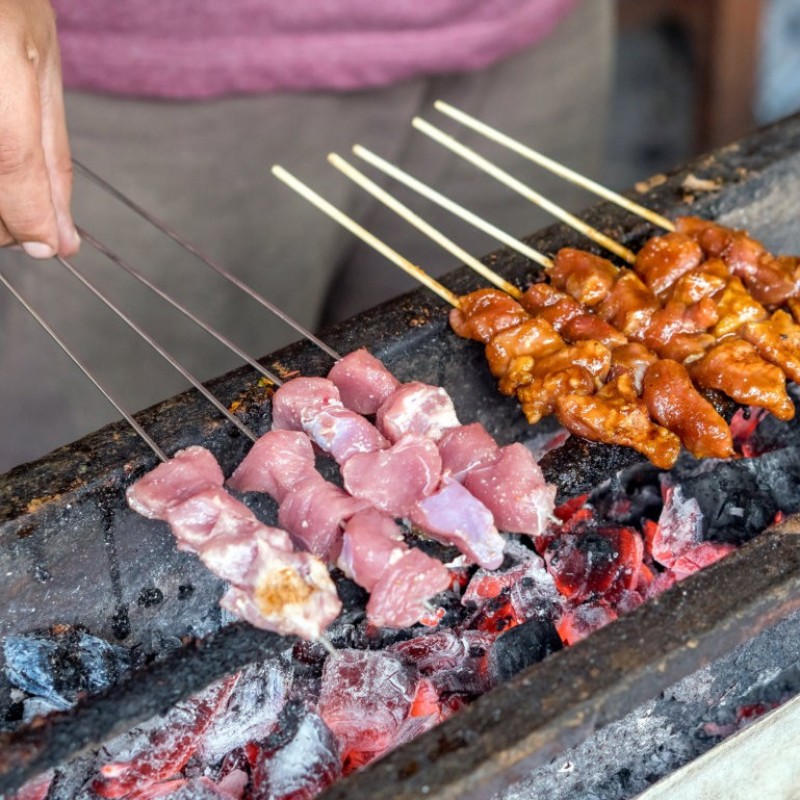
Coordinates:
[686,76]
[692,75]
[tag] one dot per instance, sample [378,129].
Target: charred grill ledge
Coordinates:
[73,552]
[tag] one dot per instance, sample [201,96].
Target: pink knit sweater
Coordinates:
[208,48]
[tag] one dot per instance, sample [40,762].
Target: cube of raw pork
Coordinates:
[188,472]
[363,381]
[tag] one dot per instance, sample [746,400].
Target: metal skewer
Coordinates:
[119,261]
[553,166]
[159,349]
[521,188]
[207,260]
[75,360]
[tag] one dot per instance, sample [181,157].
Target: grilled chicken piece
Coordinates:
[664,259]
[630,305]
[512,353]
[673,402]
[483,314]
[771,280]
[708,280]
[633,359]
[578,369]
[616,415]
[777,341]
[734,367]
[677,331]
[736,308]
[568,316]
[586,277]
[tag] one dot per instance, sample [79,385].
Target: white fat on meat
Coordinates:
[514,490]
[418,409]
[342,433]
[395,480]
[397,600]
[275,464]
[301,398]
[188,472]
[454,516]
[464,448]
[314,513]
[289,593]
[363,381]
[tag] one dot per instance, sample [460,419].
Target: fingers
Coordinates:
[58,158]
[26,206]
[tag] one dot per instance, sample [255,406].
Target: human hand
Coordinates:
[35,161]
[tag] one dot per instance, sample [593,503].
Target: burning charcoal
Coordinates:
[679,528]
[160,748]
[740,498]
[523,580]
[35,789]
[595,561]
[522,646]
[454,664]
[629,497]
[251,713]
[301,767]
[58,665]
[364,699]
[578,623]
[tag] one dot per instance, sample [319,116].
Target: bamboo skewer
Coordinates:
[523,189]
[413,219]
[362,233]
[454,208]
[553,166]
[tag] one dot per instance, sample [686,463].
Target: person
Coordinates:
[185,104]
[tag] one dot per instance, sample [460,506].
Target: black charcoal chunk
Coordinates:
[522,646]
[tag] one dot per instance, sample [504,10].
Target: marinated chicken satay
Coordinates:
[579,369]
[777,340]
[665,259]
[772,280]
[734,367]
[483,314]
[708,280]
[512,353]
[668,331]
[568,316]
[633,359]
[736,308]
[673,402]
[586,277]
[617,415]
[630,305]
[676,331]
[682,410]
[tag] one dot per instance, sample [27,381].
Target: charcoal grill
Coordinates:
[72,552]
